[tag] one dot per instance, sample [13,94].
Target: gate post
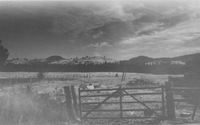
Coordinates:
[74,97]
[163,101]
[120,99]
[80,110]
[70,108]
[170,101]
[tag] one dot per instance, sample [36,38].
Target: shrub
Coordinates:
[40,75]
[141,82]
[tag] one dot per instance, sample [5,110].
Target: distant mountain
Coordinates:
[140,60]
[141,64]
[54,58]
[188,58]
[180,60]
[86,60]
[61,60]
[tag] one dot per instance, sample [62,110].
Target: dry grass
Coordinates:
[19,106]
[45,106]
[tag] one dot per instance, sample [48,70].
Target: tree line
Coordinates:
[3,54]
[104,67]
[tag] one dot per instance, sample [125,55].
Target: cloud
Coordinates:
[99,45]
[178,40]
[122,28]
[183,32]
[88,15]
[115,10]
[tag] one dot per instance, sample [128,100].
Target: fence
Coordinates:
[188,94]
[118,103]
[11,81]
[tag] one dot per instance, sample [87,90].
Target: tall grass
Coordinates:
[27,108]
[142,82]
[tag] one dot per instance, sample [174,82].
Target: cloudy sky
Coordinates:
[119,29]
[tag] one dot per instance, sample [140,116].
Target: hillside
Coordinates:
[61,60]
[140,60]
[54,58]
[180,60]
[141,64]
[85,60]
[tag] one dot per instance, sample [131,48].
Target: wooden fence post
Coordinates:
[70,107]
[120,98]
[194,111]
[80,110]
[163,101]
[170,101]
[74,97]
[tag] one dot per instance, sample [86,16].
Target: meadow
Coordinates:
[43,102]
[105,79]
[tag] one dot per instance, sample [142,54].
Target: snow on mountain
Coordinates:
[160,62]
[95,60]
[36,61]
[64,61]
[18,61]
[177,63]
[85,60]
[60,60]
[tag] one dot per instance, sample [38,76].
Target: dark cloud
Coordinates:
[67,27]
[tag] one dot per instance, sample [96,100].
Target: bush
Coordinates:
[40,75]
[141,82]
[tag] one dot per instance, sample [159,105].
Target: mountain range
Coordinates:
[180,60]
[60,60]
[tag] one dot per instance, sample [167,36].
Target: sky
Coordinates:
[119,29]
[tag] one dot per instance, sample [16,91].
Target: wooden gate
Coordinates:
[185,100]
[122,103]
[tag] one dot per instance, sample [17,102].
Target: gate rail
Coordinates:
[119,94]
[192,94]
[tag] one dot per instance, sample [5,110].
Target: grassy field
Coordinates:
[46,106]
[104,79]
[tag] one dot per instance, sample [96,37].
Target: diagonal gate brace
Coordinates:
[142,103]
[113,94]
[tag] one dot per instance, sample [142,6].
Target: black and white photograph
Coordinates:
[99,62]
